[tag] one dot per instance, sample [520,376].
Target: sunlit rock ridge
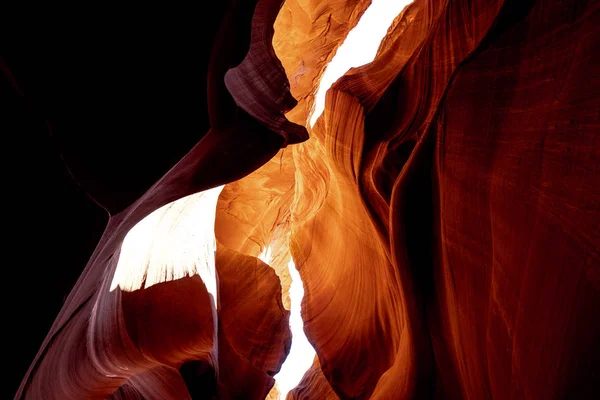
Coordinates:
[443,214]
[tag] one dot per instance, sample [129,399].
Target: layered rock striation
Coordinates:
[443,213]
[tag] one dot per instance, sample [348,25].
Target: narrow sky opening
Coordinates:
[301,354]
[175,241]
[359,47]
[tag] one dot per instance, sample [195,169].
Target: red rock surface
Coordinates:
[313,385]
[314,30]
[444,215]
[469,205]
[111,341]
[253,215]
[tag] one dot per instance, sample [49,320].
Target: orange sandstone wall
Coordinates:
[452,181]
[444,214]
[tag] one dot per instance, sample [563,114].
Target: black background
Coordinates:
[118,97]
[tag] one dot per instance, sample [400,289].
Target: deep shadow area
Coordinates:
[118,95]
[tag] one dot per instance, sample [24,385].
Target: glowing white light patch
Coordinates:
[265,255]
[359,47]
[173,242]
[301,354]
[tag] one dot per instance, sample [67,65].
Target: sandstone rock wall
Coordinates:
[444,214]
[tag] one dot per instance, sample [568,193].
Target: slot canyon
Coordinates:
[192,196]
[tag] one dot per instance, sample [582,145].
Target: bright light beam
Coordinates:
[173,242]
[359,47]
[301,354]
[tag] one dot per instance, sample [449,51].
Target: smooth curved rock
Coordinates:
[258,91]
[254,335]
[254,217]
[477,152]
[340,277]
[157,383]
[444,217]
[103,339]
[314,30]
[313,385]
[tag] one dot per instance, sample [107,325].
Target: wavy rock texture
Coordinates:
[313,385]
[254,337]
[444,216]
[254,217]
[169,340]
[353,331]
[314,29]
[458,166]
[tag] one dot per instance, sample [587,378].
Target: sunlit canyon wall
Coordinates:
[443,213]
